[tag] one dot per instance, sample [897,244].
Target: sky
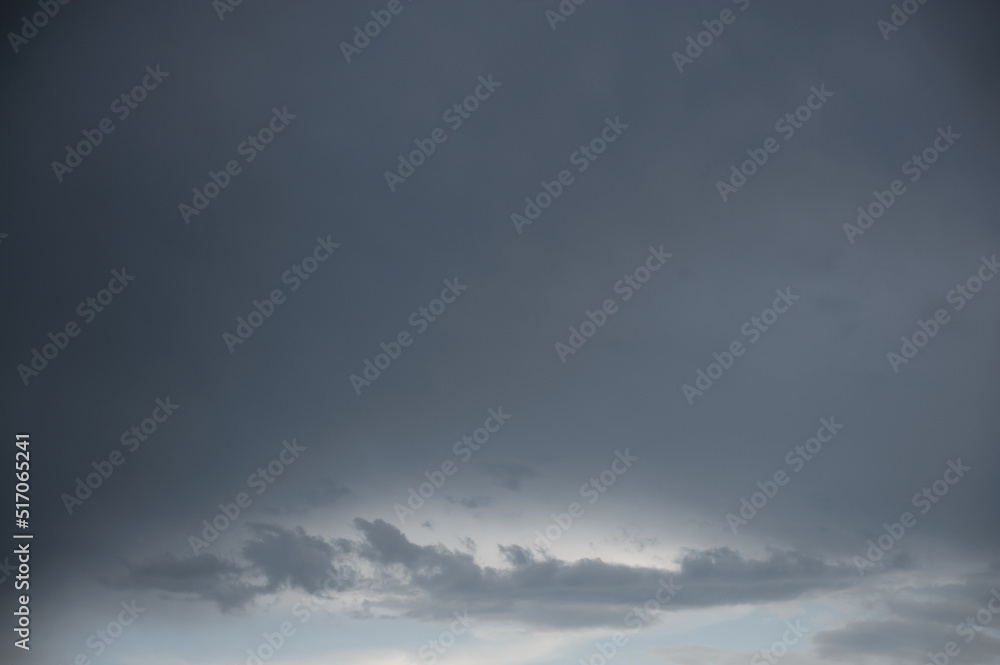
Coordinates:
[524,332]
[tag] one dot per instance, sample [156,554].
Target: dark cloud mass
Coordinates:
[445,578]
[456,331]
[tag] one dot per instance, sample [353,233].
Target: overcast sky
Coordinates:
[510,332]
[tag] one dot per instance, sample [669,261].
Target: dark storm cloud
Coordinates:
[285,559]
[555,593]
[204,577]
[290,559]
[658,187]
[323,176]
[723,576]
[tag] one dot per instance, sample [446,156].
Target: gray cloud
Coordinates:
[204,577]
[434,579]
[324,176]
[289,559]
[284,559]
[917,619]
